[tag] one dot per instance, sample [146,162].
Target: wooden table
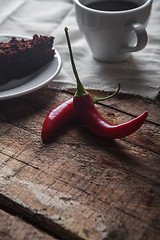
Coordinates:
[78,186]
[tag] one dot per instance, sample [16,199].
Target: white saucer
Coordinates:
[33,82]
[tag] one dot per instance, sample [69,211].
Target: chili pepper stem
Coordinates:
[95,100]
[81,91]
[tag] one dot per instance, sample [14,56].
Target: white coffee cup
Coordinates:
[113,35]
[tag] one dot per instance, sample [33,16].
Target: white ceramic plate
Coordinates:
[33,82]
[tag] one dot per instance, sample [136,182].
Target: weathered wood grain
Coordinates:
[79,186]
[13,228]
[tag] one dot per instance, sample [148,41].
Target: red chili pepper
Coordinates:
[91,118]
[63,113]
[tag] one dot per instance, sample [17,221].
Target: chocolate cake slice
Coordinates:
[19,58]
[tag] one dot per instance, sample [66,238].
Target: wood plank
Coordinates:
[12,227]
[81,186]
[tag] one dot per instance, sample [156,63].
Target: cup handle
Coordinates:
[141,36]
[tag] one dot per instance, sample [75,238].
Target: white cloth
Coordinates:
[138,75]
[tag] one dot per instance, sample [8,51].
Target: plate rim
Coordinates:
[38,86]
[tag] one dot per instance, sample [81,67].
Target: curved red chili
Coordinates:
[63,113]
[92,119]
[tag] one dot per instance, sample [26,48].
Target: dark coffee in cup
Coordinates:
[108,5]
